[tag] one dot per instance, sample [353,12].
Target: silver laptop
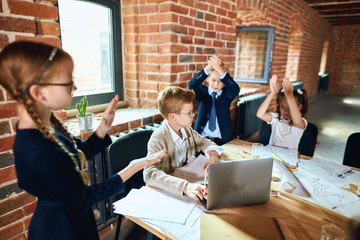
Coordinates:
[232,184]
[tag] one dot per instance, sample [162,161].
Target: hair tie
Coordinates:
[299,91]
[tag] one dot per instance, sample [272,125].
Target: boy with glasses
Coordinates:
[181,142]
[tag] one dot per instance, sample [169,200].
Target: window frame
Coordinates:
[268,58]
[116,54]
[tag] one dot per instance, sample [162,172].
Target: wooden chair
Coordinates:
[352,151]
[307,142]
[121,152]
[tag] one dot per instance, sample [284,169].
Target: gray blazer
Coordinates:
[157,175]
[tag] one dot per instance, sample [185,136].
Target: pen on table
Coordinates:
[285,163]
[278,157]
[205,177]
[246,152]
[345,173]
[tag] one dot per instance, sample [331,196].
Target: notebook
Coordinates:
[239,183]
[227,226]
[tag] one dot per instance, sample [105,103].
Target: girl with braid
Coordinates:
[48,159]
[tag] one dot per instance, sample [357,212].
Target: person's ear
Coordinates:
[35,91]
[171,116]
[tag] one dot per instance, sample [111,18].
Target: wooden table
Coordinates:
[298,218]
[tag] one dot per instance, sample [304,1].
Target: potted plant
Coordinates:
[85,119]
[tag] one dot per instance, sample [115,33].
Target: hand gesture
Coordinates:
[195,191]
[216,62]
[138,164]
[288,87]
[108,117]
[155,157]
[274,84]
[208,67]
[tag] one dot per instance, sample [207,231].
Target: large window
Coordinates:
[90,32]
[253,54]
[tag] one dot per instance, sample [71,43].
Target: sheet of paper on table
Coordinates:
[288,155]
[176,214]
[320,178]
[194,171]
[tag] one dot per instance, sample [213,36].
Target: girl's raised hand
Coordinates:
[288,87]
[274,84]
[155,157]
[108,118]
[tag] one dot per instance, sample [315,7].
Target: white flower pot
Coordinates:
[85,123]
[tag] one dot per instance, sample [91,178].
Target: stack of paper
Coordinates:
[176,214]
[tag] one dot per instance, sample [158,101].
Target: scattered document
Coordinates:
[179,215]
[146,202]
[194,171]
[322,180]
[289,156]
[290,182]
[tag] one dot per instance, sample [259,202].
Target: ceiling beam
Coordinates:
[315,3]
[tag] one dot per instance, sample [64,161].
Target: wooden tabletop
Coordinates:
[298,218]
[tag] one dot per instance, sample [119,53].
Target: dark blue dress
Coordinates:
[64,207]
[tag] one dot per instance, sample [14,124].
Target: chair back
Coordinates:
[307,142]
[352,151]
[265,132]
[123,150]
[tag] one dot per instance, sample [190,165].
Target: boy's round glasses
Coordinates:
[191,114]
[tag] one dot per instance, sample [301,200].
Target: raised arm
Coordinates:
[294,108]
[262,111]
[228,81]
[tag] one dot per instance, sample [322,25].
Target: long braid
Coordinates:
[82,157]
[19,62]
[28,103]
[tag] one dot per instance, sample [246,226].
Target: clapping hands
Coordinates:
[275,85]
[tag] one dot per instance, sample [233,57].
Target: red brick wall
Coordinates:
[344,60]
[164,43]
[19,20]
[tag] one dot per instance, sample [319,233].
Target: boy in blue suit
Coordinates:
[213,120]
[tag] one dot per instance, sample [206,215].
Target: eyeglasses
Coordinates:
[191,114]
[68,84]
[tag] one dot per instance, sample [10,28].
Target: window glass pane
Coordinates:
[86,34]
[251,49]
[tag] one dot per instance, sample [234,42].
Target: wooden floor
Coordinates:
[336,118]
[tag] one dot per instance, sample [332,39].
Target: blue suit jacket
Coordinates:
[222,104]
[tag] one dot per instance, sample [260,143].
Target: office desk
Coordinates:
[298,218]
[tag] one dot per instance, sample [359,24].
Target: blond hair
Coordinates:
[21,63]
[172,99]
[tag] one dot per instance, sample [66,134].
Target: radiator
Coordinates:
[246,121]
